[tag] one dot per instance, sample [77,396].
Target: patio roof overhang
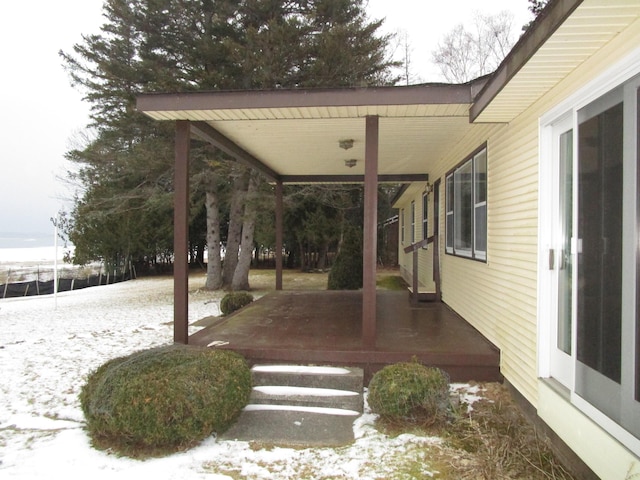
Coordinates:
[295,136]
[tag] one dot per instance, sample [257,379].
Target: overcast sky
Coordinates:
[42,114]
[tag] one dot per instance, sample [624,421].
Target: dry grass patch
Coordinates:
[490,440]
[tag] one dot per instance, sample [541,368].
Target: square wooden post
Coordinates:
[279,233]
[181,234]
[369,244]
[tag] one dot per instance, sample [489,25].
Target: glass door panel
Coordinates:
[600,230]
[565,259]
[561,254]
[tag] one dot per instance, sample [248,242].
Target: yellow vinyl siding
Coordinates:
[499,297]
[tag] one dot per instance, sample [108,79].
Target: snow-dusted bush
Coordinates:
[409,392]
[234,301]
[164,399]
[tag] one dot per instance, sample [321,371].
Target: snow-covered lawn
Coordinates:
[46,351]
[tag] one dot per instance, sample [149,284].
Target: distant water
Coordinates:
[26,240]
[31,247]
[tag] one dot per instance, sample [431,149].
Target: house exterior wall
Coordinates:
[499,297]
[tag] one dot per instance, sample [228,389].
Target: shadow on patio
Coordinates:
[324,327]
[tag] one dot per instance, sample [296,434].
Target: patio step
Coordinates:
[294,405]
[325,387]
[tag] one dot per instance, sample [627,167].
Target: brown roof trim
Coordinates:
[209,134]
[434,94]
[306,179]
[399,194]
[549,20]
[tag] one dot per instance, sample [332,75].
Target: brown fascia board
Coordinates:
[549,20]
[382,178]
[399,194]
[434,94]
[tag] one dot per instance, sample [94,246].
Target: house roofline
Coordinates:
[431,93]
[399,194]
[547,22]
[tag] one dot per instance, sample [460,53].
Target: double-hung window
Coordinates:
[425,215]
[413,222]
[466,207]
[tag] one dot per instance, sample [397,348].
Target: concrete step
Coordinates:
[339,378]
[292,428]
[306,396]
[293,405]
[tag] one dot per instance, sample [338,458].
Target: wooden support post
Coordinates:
[369,247]
[279,232]
[181,234]
[436,267]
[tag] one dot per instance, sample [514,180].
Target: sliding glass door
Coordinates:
[594,256]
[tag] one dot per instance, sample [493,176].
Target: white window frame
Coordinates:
[413,222]
[454,180]
[449,213]
[425,215]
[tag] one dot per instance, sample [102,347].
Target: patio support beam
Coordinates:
[181,233]
[369,247]
[209,134]
[279,233]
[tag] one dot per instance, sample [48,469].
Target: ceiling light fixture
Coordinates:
[350,162]
[346,144]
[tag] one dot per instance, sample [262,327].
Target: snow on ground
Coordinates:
[46,350]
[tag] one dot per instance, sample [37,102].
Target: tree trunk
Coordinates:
[301,260]
[241,274]
[236,208]
[214,264]
[322,258]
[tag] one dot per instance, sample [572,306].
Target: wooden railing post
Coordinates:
[414,249]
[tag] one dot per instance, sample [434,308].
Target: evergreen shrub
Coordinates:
[346,272]
[409,392]
[164,399]
[234,301]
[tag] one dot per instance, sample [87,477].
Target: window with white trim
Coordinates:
[466,207]
[449,213]
[425,215]
[402,226]
[413,222]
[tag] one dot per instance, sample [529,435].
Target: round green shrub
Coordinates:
[346,272]
[409,392]
[234,301]
[164,399]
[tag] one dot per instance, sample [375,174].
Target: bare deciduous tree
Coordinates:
[468,53]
